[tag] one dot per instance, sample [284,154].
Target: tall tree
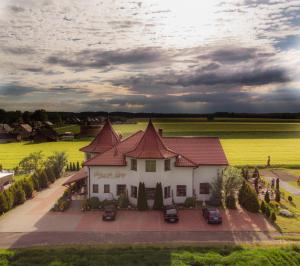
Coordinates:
[158,199]
[142,204]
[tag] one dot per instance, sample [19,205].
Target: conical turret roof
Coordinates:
[151,146]
[105,140]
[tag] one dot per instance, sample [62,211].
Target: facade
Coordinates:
[185,166]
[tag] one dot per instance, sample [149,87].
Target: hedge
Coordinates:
[248,198]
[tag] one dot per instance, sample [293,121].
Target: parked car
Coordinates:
[110,213]
[212,215]
[171,214]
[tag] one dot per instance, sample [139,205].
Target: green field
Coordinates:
[152,255]
[245,143]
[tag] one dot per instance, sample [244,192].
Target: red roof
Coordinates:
[105,140]
[81,174]
[189,151]
[151,146]
[116,155]
[200,150]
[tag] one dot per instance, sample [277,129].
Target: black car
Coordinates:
[212,215]
[110,213]
[171,214]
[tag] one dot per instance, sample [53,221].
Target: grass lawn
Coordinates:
[245,143]
[290,225]
[152,255]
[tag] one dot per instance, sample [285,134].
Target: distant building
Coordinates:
[23,130]
[6,134]
[45,134]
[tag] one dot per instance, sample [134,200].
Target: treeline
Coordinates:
[41,174]
[63,117]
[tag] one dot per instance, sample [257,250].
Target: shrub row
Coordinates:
[16,194]
[73,166]
[94,203]
[64,202]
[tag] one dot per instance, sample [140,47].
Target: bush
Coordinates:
[77,166]
[263,207]
[267,212]
[248,198]
[42,179]
[190,202]
[94,203]
[273,217]
[230,202]
[267,197]
[123,200]
[9,198]
[290,199]
[35,182]
[216,192]
[19,197]
[50,174]
[158,198]
[4,204]
[27,187]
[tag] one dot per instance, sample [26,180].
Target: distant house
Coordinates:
[45,134]
[6,134]
[67,136]
[5,179]
[24,130]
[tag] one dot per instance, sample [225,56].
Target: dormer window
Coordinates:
[150,166]
[133,164]
[167,165]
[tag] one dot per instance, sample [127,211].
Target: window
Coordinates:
[167,165]
[133,164]
[150,193]
[167,192]
[106,188]
[150,166]
[121,189]
[204,188]
[133,192]
[181,191]
[95,188]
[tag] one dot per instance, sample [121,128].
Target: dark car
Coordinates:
[110,213]
[212,215]
[171,214]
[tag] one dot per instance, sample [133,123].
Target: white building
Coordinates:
[185,166]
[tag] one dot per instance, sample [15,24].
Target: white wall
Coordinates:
[114,175]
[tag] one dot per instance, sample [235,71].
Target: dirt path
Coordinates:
[284,177]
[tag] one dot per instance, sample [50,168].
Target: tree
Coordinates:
[77,166]
[267,197]
[216,192]
[273,217]
[263,207]
[32,162]
[248,198]
[230,202]
[232,181]
[256,173]
[43,180]
[158,199]
[245,173]
[58,161]
[277,196]
[39,115]
[142,204]
[19,196]
[27,187]
[50,173]
[277,184]
[73,167]
[9,198]
[267,212]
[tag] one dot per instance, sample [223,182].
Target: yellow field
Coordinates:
[244,143]
[256,151]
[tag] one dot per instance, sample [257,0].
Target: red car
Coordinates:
[212,215]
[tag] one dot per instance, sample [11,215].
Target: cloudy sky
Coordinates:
[152,55]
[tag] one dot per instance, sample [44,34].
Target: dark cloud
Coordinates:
[18,50]
[16,9]
[68,90]
[33,69]
[98,59]
[15,90]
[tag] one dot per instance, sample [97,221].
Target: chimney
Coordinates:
[160,132]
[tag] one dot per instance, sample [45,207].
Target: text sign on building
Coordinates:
[100,175]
